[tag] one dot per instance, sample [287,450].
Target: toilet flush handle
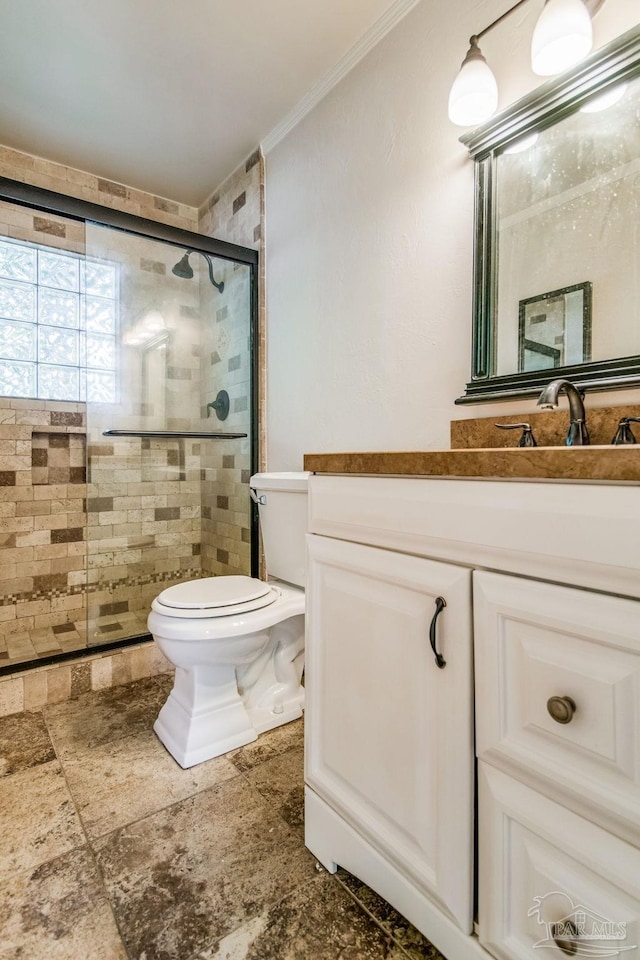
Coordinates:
[262,499]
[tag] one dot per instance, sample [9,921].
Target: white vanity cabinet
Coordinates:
[389,733]
[558,744]
[542,583]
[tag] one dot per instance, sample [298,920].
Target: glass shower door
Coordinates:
[166,500]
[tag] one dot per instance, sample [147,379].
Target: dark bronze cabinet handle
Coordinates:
[561,709]
[440,605]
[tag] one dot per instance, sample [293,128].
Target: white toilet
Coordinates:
[237,643]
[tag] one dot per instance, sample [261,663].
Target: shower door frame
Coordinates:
[26,195]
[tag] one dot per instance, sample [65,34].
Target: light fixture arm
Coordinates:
[494,23]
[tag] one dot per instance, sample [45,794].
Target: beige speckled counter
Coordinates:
[595,463]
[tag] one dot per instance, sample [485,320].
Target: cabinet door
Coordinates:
[551,882]
[389,740]
[540,649]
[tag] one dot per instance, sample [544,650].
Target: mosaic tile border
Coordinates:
[112,585]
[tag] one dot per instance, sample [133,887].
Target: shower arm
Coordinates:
[218,286]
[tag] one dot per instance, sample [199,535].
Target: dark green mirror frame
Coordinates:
[615,63]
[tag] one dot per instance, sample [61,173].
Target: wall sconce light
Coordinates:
[562,36]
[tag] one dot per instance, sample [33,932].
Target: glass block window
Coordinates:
[58,324]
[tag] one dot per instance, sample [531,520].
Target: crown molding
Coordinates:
[360,49]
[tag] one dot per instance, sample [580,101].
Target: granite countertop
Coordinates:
[594,463]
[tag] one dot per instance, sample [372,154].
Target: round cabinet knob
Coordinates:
[561,709]
[565,936]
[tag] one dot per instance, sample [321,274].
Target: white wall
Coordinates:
[370,241]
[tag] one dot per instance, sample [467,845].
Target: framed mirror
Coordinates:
[557,241]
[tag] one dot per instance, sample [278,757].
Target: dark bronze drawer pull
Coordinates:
[561,709]
[565,935]
[440,605]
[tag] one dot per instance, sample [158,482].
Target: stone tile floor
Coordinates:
[110,851]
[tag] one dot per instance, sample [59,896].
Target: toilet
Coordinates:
[237,642]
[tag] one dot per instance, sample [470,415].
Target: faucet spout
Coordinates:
[578,435]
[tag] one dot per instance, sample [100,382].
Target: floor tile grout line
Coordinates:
[196,792]
[267,909]
[89,848]
[266,799]
[378,923]
[152,813]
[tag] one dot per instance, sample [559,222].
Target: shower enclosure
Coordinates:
[128,402]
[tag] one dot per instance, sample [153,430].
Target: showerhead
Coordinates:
[183,268]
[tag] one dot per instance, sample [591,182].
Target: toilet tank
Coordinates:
[282,508]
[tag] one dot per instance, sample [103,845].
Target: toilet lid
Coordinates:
[217,593]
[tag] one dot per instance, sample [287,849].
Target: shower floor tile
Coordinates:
[113,851]
[67,637]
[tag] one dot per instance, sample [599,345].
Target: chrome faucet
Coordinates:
[578,435]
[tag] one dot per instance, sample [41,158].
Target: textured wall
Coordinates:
[370,240]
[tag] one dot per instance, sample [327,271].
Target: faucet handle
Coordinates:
[527,439]
[623,433]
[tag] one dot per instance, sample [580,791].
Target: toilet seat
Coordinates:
[215,597]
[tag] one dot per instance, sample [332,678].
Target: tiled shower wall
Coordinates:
[235,212]
[144,495]
[140,523]
[85,186]
[42,524]
[194,479]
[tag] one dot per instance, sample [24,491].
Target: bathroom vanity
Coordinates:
[478,763]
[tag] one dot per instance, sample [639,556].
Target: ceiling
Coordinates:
[168,96]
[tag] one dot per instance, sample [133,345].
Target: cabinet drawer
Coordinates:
[535,642]
[551,882]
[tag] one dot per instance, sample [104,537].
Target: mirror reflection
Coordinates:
[557,236]
[567,240]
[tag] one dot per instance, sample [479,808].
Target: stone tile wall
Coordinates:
[86,186]
[21,223]
[42,523]
[33,689]
[146,505]
[144,509]
[235,212]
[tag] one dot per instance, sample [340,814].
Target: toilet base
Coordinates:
[249,682]
[203,716]
[264,720]
[196,745]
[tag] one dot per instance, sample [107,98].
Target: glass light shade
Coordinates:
[474,94]
[563,35]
